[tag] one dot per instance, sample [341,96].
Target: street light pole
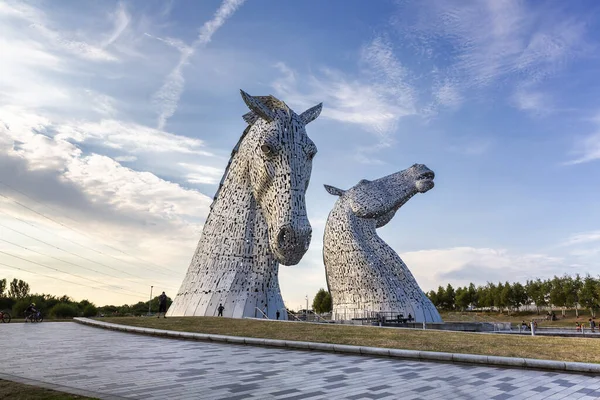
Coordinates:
[150,302]
[306,307]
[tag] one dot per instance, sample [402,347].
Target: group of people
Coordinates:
[525,326]
[579,325]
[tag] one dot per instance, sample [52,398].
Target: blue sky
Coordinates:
[119,118]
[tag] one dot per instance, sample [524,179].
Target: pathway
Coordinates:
[131,366]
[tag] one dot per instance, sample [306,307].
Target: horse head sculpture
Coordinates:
[280,164]
[257,220]
[364,274]
[381,198]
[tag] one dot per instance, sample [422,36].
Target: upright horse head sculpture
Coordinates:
[363,273]
[258,217]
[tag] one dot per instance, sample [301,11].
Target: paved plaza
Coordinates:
[121,365]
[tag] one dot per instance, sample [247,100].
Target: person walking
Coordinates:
[221,308]
[277,314]
[162,305]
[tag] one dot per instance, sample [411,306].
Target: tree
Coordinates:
[90,311]
[64,310]
[558,295]
[441,297]
[18,289]
[506,296]
[473,297]
[536,290]
[463,298]
[433,297]
[572,288]
[589,294]
[322,302]
[2,287]
[485,294]
[498,298]
[518,296]
[327,304]
[449,298]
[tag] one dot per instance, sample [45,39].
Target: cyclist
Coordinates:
[30,311]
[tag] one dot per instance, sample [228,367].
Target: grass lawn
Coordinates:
[551,348]
[18,391]
[567,321]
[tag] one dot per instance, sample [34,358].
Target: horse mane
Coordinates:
[251,117]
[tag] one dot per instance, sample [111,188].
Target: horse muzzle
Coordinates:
[291,243]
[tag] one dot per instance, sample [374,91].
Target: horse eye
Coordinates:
[266,149]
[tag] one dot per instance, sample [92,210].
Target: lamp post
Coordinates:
[306,308]
[150,302]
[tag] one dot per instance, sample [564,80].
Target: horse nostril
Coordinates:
[283,237]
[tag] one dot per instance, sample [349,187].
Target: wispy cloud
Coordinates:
[375,100]
[167,97]
[489,42]
[131,137]
[587,147]
[72,116]
[582,238]
[201,173]
[121,21]
[75,47]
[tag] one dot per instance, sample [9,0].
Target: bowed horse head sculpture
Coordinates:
[364,274]
[280,165]
[381,198]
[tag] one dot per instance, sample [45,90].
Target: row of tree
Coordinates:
[16,297]
[559,292]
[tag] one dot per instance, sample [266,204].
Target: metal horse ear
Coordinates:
[258,107]
[311,114]
[334,191]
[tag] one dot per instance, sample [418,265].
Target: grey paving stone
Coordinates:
[503,396]
[121,365]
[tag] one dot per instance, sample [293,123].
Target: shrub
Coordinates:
[90,311]
[18,309]
[63,310]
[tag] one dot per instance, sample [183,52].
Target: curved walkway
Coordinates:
[120,365]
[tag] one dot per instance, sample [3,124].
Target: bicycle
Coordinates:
[5,317]
[35,317]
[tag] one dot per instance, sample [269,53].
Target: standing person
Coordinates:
[592,324]
[221,308]
[162,305]
[277,314]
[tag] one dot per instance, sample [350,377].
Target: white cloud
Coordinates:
[126,158]
[491,43]
[587,148]
[461,265]
[448,95]
[131,137]
[202,173]
[66,103]
[582,238]
[167,97]
[376,107]
[531,100]
[121,21]
[75,47]
[100,178]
